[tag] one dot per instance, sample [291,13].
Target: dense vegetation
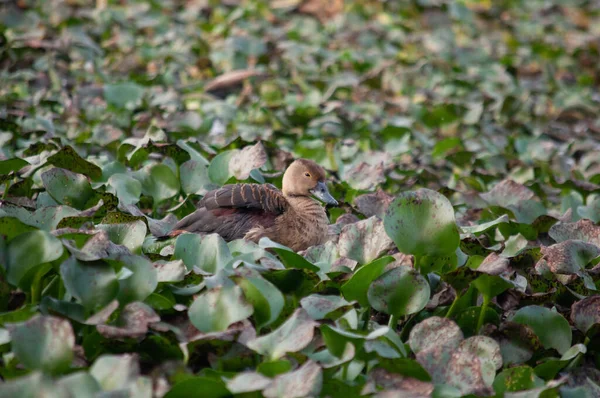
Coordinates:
[462,141]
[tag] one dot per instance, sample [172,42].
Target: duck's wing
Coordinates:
[231,211]
[264,197]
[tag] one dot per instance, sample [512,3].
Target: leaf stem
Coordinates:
[36,287]
[366,316]
[393,323]
[452,308]
[484,306]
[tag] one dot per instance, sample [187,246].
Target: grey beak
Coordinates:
[321,192]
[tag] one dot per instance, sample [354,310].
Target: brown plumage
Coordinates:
[252,211]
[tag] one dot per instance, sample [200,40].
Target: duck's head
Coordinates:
[306,178]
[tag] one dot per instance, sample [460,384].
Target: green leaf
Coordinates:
[194,177]
[123,95]
[357,286]
[141,283]
[158,182]
[209,253]
[292,336]
[12,226]
[267,300]
[79,384]
[31,386]
[319,306]
[216,309]
[218,170]
[274,368]
[125,187]
[94,284]
[9,165]
[302,382]
[519,378]
[115,372]
[70,160]
[201,387]
[422,223]
[44,343]
[29,250]
[293,260]
[552,328]
[483,227]
[130,235]
[491,285]
[399,291]
[68,188]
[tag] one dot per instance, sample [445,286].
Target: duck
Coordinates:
[291,216]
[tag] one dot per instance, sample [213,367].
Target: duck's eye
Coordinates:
[307,174]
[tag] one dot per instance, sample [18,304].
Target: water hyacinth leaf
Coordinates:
[399,291]
[199,387]
[68,188]
[293,260]
[552,328]
[94,284]
[12,226]
[194,177]
[70,160]
[434,331]
[373,204]
[422,223]
[125,187]
[305,381]
[79,384]
[318,306]
[115,372]
[267,300]
[292,336]
[357,286]
[491,285]
[123,95]
[586,313]
[142,281]
[274,368]
[514,245]
[29,250]
[130,235]
[170,271]
[44,343]
[215,310]
[9,165]
[584,230]
[247,382]
[483,227]
[465,372]
[218,170]
[30,386]
[364,241]
[209,253]
[158,181]
[244,161]
[515,379]
[487,352]
[132,322]
[567,257]
[364,176]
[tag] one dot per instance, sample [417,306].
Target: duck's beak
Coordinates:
[321,192]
